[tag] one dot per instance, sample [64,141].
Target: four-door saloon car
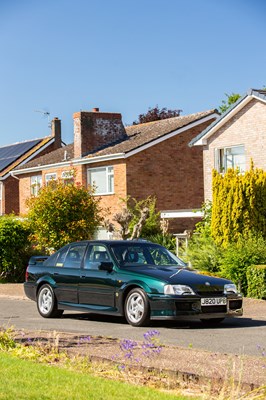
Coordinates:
[136,279]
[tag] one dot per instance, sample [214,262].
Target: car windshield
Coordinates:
[136,254]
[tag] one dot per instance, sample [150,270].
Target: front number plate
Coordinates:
[214,301]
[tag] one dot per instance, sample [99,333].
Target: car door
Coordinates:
[97,287]
[67,273]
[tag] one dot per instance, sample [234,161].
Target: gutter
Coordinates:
[73,162]
[13,176]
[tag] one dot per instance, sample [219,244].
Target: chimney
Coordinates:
[56,132]
[95,129]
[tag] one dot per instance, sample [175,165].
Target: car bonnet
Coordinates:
[178,276]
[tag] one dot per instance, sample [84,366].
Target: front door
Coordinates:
[97,287]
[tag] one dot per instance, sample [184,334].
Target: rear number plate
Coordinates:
[214,301]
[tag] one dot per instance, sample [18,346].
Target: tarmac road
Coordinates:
[240,335]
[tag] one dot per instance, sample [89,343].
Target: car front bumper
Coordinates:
[189,308]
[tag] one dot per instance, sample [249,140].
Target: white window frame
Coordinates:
[109,180]
[222,162]
[50,177]
[35,184]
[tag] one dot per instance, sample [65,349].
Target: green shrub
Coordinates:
[256,279]
[203,254]
[14,248]
[167,241]
[237,257]
[63,213]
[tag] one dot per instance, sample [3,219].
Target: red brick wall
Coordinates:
[10,196]
[111,202]
[173,172]
[25,182]
[248,128]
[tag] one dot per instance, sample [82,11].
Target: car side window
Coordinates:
[61,257]
[74,256]
[130,255]
[96,254]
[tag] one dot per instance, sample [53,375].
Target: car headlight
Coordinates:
[178,289]
[230,288]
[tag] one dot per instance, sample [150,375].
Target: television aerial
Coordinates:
[46,114]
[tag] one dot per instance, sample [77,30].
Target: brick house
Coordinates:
[234,139]
[140,160]
[17,154]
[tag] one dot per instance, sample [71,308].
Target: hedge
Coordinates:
[256,279]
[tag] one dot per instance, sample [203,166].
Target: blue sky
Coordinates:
[125,56]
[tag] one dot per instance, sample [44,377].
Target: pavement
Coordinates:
[13,290]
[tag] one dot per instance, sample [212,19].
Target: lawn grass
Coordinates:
[27,380]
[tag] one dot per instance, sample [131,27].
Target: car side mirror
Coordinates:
[106,266]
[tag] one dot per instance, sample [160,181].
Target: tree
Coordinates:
[239,205]
[155,114]
[136,218]
[231,99]
[63,213]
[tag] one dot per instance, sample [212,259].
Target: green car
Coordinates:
[140,280]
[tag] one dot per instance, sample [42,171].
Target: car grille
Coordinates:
[213,309]
[183,306]
[211,293]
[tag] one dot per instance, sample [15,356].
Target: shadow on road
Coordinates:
[229,323]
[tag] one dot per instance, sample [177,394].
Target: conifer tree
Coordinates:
[239,205]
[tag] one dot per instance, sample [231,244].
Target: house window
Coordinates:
[50,177]
[35,184]
[102,179]
[68,177]
[230,157]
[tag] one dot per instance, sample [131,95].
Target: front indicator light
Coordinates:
[178,290]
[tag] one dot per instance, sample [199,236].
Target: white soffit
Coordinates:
[182,214]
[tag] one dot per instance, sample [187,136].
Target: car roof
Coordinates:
[105,241]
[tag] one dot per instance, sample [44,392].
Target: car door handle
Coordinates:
[56,273]
[83,276]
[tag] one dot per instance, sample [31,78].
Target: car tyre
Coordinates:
[47,303]
[137,308]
